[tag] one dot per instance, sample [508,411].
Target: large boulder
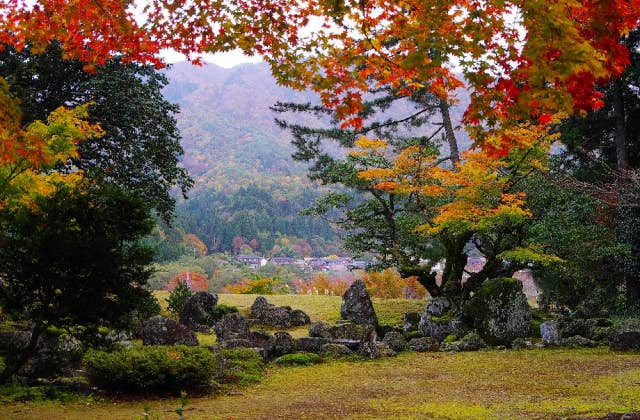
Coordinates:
[320,329]
[14,341]
[55,354]
[334,349]
[199,311]
[299,318]
[500,311]
[626,336]
[260,307]
[264,340]
[283,344]
[311,344]
[578,341]
[357,306]
[438,320]
[166,331]
[232,326]
[472,342]
[277,316]
[395,341]
[422,344]
[342,331]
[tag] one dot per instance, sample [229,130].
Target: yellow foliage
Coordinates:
[27,166]
[388,284]
[477,193]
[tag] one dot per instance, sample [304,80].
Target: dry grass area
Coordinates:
[492,384]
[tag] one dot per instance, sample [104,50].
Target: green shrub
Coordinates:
[151,368]
[298,359]
[535,328]
[221,310]
[24,393]
[414,334]
[450,338]
[241,366]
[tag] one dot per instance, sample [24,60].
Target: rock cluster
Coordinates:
[199,311]
[277,316]
[162,330]
[438,320]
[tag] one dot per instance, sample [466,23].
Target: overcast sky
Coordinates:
[225,59]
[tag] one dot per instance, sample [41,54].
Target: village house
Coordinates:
[281,261]
[253,261]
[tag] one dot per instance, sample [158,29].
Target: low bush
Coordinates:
[49,392]
[241,367]
[221,310]
[303,359]
[151,368]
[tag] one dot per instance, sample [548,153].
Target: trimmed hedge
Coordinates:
[151,368]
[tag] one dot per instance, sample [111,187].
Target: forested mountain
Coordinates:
[247,186]
[246,183]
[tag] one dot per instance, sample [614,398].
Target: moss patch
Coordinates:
[492,384]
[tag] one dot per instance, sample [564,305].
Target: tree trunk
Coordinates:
[456,260]
[449,133]
[425,277]
[622,160]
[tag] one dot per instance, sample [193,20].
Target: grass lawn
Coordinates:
[492,384]
[548,383]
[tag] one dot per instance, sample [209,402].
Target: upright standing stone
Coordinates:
[550,333]
[357,306]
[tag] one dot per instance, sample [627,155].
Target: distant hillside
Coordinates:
[247,184]
[227,128]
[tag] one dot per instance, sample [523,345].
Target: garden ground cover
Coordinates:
[542,383]
[492,384]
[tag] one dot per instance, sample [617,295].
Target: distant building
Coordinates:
[195,281]
[253,261]
[358,265]
[318,264]
[281,261]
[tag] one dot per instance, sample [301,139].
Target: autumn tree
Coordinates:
[520,59]
[30,153]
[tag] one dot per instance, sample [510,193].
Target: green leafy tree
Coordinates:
[602,156]
[375,221]
[178,298]
[74,259]
[141,145]
[565,223]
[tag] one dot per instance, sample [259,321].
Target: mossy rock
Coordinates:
[499,311]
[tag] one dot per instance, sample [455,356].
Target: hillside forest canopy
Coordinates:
[551,180]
